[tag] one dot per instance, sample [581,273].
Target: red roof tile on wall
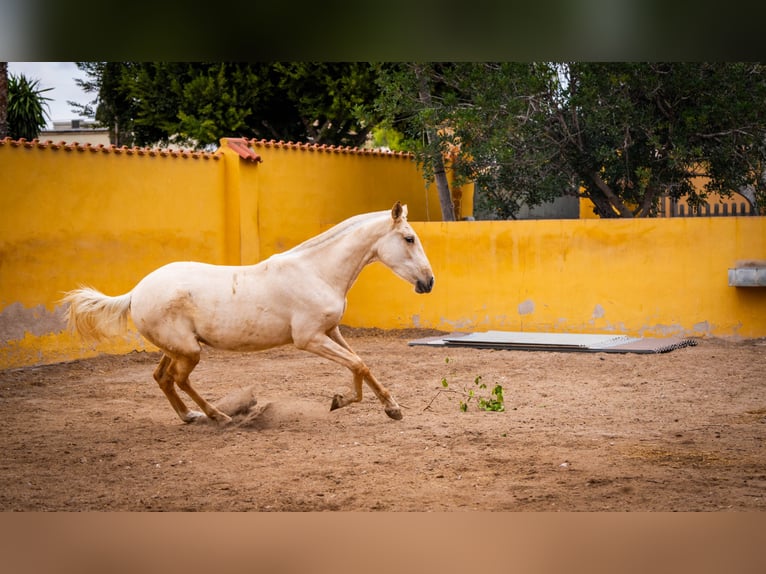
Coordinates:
[328,148]
[243,146]
[152,152]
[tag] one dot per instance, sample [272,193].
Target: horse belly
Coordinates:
[252,329]
[220,306]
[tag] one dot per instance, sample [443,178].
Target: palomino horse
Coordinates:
[298,297]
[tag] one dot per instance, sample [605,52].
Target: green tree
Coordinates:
[27,107]
[482,117]
[632,132]
[408,105]
[330,102]
[114,105]
[621,134]
[197,103]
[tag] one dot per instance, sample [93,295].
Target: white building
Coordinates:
[76,131]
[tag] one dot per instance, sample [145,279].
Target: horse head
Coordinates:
[400,249]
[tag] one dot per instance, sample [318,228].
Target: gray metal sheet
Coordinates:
[526,341]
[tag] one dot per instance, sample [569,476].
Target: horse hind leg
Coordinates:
[183,366]
[175,371]
[164,375]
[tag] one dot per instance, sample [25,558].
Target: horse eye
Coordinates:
[409,239]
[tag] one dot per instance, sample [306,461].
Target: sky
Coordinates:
[59,76]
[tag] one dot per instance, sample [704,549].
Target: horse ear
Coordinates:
[397,211]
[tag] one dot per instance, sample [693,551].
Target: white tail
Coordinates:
[96,316]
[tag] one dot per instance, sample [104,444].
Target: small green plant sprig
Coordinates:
[494,402]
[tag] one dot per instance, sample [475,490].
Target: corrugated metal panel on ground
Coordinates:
[525,341]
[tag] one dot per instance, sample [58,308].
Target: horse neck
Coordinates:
[340,253]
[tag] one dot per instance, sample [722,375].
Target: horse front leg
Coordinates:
[391,406]
[339,400]
[332,346]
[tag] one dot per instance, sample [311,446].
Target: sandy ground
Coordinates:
[678,431]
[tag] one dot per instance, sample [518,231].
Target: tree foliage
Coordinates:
[113,105]
[197,103]
[484,119]
[633,132]
[621,134]
[27,107]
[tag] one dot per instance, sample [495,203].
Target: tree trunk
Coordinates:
[3,99]
[442,185]
[602,206]
[440,174]
[650,196]
[611,197]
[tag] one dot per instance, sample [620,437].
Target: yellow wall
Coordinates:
[72,215]
[646,277]
[82,214]
[76,215]
[302,189]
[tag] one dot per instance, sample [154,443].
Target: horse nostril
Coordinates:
[424,286]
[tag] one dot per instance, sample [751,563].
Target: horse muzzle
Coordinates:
[424,286]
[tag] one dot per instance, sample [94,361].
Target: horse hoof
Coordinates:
[193,416]
[336,402]
[394,413]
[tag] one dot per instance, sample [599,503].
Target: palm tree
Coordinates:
[27,107]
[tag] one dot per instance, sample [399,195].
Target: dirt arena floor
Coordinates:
[681,431]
